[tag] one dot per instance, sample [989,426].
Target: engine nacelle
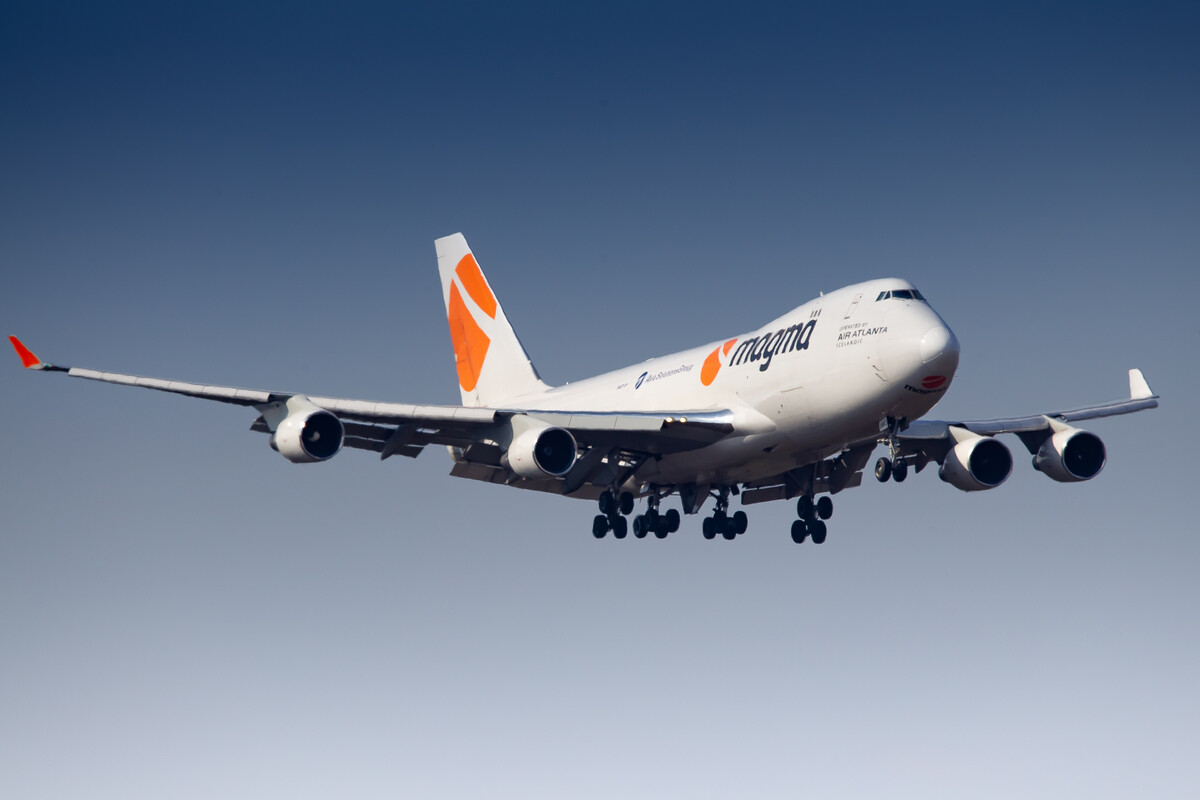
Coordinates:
[541,452]
[308,434]
[1071,455]
[976,463]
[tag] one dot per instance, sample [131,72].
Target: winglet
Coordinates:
[28,359]
[1138,388]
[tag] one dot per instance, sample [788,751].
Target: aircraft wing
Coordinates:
[933,437]
[610,442]
[926,441]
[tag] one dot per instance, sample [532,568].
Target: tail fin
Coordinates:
[493,367]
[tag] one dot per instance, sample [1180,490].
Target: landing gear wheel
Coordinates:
[804,507]
[599,526]
[608,503]
[620,527]
[899,471]
[661,531]
[799,531]
[825,507]
[818,531]
[626,503]
[640,528]
[671,518]
[740,521]
[883,470]
[724,526]
[709,528]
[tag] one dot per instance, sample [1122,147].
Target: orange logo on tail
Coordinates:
[472,280]
[470,342]
[712,364]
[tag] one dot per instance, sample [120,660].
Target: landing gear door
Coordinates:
[853,305]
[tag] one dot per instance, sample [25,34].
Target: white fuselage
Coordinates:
[801,388]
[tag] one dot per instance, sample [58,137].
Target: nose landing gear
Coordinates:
[892,466]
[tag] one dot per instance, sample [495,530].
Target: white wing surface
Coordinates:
[609,443]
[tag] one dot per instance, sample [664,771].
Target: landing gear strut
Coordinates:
[722,522]
[812,519]
[610,518]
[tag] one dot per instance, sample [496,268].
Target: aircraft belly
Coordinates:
[731,460]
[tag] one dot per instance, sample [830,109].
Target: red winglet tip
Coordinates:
[28,359]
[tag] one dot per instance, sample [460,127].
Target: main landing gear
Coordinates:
[654,522]
[613,509]
[721,522]
[812,519]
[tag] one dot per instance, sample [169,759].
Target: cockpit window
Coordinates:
[901,294]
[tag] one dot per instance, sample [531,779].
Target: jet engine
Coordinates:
[541,452]
[1070,455]
[976,462]
[308,434]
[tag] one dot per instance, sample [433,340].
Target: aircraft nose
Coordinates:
[939,343]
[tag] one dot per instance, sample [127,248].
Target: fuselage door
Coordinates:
[853,305]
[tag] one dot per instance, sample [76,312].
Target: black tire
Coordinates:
[671,518]
[819,532]
[620,527]
[740,521]
[899,472]
[599,526]
[639,527]
[804,507]
[729,533]
[883,470]
[709,528]
[799,531]
[657,524]
[626,503]
[825,507]
[607,502]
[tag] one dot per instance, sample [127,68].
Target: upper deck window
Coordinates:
[901,294]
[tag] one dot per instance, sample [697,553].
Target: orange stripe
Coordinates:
[729,345]
[712,364]
[472,280]
[28,359]
[470,342]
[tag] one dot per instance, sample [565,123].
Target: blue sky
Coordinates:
[249,195]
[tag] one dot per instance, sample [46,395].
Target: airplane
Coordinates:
[792,410]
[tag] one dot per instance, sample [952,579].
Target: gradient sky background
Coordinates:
[248,195]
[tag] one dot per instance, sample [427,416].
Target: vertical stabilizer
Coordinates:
[493,367]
